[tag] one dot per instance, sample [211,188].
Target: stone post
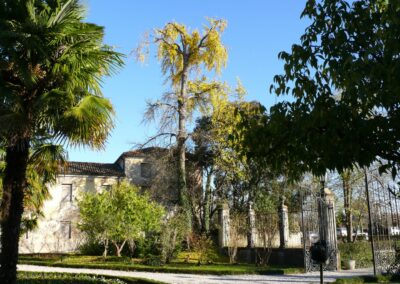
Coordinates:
[283,224]
[327,228]
[223,222]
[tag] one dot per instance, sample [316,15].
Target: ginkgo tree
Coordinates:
[184,54]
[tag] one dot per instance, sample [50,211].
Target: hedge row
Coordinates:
[70,278]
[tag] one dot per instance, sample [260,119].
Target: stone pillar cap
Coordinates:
[223,205]
[327,191]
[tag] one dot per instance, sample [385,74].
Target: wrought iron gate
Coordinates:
[384,202]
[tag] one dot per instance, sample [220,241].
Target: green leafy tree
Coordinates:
[183,53]
[51,66]
[119,216]
[343,77]
[95,218]
[236,177]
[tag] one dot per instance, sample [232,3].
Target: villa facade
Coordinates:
[58,231]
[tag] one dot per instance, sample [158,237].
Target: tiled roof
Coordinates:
[144,151]
[95,169]
[157,152]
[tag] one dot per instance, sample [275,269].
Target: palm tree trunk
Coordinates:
[14,184]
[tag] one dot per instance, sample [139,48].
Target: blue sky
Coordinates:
[257,31]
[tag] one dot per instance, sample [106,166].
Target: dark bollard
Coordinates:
[319,254]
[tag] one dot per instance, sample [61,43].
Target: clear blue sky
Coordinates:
[257,31]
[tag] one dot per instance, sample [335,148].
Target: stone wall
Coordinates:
[58,230]
[290,240]
[293,257]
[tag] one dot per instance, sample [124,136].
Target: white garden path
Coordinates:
[209,279]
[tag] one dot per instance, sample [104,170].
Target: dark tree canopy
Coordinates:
[344,81]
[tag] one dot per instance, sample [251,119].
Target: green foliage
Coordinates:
[52,64]
[183,55]
[148,247]
[341,76]
[91,247]
[173,233]
[68,278]
[367,279]
[267,223]
[203,246]
[355,280]
[120,215]
[238,228]
[237,177]
[54,60]
[44,163]
[358,251]
[58,278]
[122,264]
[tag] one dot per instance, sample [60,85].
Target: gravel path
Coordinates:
[209,279]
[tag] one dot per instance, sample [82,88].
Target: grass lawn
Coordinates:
[123,263]
[369,279]
[69,278]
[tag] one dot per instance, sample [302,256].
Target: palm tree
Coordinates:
[44,164]
[51,66]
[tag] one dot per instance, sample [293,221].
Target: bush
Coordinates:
[173,233]
[153,260]
[359,251]
[91,247]
[148,246]
[203,246]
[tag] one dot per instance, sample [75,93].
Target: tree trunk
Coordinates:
[173,242]
[347,194]
[132,247]
[207,204]
[12,208]
[105,248]
[181,148]
[118,249]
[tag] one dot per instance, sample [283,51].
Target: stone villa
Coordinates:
[58,231]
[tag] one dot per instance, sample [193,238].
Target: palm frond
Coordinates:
[88,123]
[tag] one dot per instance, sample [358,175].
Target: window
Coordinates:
[145,170]
[66,193]
[65,229]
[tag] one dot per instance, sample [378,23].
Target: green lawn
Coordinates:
[69,278]
[369,279]
[96,262]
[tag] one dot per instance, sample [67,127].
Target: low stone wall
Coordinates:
[283,257]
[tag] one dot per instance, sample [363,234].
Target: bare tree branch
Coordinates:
[154,138]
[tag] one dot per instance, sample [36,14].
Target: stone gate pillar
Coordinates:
[327,226]
[223,222]
[283,224]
